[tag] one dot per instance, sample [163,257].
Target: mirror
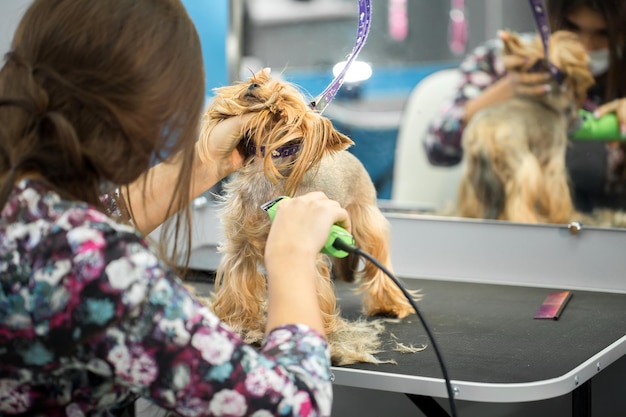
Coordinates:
[408,42]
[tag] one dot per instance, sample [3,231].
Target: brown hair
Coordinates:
[95,92]
[613,12]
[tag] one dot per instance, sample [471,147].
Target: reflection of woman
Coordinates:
[92,94]
[597,169]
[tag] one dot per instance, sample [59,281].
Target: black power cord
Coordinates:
[341,245]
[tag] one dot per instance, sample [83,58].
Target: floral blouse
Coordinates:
[90,319]
[594,167]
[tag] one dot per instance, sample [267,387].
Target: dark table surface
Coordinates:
[487,332]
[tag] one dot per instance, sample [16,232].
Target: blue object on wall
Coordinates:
[211,18]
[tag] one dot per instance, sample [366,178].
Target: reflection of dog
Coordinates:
[515,150]
[292,150]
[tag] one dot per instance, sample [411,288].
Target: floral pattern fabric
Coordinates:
[595,167]
[90,319]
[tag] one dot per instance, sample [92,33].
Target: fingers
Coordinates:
[302,225]
[606,108]
[621,116]
[514,62]
[228,132]
[315,209]
[531,83]
[532,78]
[619,108]
[218,143]
[523,81]
[327,207]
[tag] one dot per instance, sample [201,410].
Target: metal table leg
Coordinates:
[428,405]
[581,400]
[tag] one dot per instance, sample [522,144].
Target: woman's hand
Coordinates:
[218,144]
[518,65]
[530,83]
[517,81]
[619,108]
[302,225]
[298,233]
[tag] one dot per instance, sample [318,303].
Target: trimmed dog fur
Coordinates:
[316,160]
[515,150]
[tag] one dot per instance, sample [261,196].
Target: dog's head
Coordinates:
[566,52]
[284,131]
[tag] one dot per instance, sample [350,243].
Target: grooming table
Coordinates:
[493,348]
[482,282]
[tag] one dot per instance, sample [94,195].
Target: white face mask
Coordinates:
[599,61]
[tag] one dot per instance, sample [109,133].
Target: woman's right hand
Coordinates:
[301,226]
[300,229]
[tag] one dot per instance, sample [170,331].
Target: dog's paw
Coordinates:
[393,304]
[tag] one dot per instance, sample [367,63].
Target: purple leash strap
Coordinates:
[320,102]
[541,20]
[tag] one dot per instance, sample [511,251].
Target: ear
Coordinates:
[263,74]
[319,138]
[582,80]
[511,43]
[335,140]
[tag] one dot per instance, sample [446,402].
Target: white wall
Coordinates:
[11,12]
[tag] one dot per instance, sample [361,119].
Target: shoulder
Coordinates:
[47,231]
[113,256]
[483,58]
[495,45]
[75,269]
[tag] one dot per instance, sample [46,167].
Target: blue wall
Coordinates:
[211,20]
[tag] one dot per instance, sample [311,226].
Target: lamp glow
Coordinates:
[359,71]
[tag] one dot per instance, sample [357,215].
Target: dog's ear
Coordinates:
[570,56]
[319,137]
[262,75]
[335,140]
[581,80]
[511,43]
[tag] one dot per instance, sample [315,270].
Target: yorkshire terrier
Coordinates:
[515,150]
[291,149]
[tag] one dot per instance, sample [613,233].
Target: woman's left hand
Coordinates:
[619,108]
[218,145]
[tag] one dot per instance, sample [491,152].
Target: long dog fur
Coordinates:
[321,163]
[515,150]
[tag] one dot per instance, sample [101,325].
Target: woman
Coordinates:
[596,169]
[92,94]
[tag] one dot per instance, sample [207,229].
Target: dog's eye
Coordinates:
[253,86]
